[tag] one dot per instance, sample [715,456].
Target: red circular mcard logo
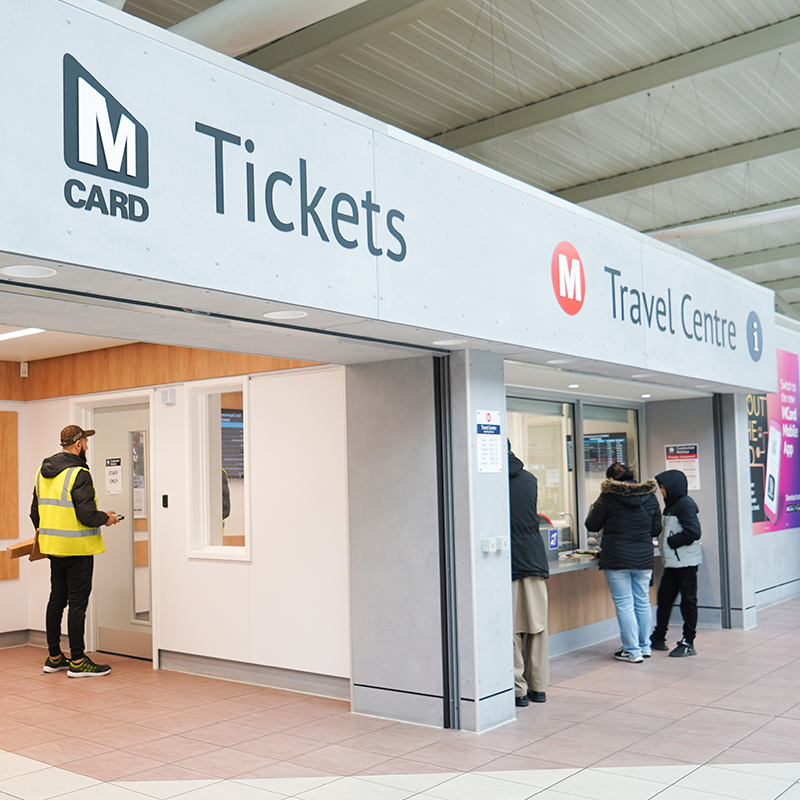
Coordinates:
[569,281]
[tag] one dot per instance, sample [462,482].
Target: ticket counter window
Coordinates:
[541,435]
[609,435]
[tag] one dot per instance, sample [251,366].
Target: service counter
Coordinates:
[579,595]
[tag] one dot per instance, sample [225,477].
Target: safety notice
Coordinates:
[685,458]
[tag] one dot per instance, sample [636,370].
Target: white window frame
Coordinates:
[200,546]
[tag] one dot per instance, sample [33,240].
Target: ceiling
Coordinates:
[680,118]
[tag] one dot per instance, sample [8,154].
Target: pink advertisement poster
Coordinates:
[774,459]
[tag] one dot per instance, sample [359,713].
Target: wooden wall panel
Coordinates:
[9,567]
[138,364]
[9,483]
[11,385]
[141,553]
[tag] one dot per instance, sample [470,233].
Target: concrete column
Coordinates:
[394,541]
[741,556]
[483,580]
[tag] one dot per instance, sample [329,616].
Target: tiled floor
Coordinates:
[725,723]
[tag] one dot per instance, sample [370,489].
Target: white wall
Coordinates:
[288,607]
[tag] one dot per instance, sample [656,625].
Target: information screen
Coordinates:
[600,450]
[233,442]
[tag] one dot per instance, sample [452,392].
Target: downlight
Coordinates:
[28,271]
[285,315]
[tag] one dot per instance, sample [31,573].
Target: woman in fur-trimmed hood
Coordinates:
[630,517]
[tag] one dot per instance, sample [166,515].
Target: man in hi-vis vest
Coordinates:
[64,512]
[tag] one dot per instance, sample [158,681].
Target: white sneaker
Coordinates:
[624,655]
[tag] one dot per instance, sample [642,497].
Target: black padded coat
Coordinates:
[630,517]
[528,556]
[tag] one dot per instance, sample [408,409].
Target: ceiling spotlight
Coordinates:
[573,386]
[704,386]
[21,332]
[285,315]
[560,361]
[642,375]
[449,342]
[28,271]
[645,396]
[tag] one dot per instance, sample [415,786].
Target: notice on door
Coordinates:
[685,458]
[489,442]
[113,476]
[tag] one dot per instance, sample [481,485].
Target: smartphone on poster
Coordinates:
[773,474]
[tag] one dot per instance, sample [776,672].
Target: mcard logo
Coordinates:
[104,140]
[569,280]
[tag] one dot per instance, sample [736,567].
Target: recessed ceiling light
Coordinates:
[28,271]
[704,386]
[285,314]
[449,342]
[21,332]
[573,386]
[560,361]
[645,396]
[642,375]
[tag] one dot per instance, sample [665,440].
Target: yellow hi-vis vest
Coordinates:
[60,531]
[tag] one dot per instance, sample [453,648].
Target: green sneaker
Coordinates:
[56,664]
[87,669]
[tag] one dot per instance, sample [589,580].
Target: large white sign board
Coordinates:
[133,151]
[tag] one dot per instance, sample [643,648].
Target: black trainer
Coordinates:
[537,697]
[659,644]
[521,702]
[56,664]
[87,669]
[684,648]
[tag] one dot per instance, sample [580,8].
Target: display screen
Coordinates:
[233,442]
[601,450]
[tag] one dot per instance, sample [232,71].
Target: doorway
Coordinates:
[122,584]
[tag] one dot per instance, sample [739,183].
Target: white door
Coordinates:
[118,453]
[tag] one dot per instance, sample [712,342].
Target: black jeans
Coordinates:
[673,581]
[70,583]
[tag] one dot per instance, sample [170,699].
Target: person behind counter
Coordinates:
[681,553]
[529,570]
[629,516]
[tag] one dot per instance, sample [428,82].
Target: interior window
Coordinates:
[541,435]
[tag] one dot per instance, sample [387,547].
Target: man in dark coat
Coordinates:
[529,570]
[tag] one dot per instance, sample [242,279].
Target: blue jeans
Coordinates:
[630,590]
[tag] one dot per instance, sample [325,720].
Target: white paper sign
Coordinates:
[113,476]
[489,442]
[686,458]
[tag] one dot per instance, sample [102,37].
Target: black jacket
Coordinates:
[82,490]
[629,516]
[679,504]
[528,556]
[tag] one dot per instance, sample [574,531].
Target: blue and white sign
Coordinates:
[489,445]
[552,538]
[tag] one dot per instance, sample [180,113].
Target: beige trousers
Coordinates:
[531,654]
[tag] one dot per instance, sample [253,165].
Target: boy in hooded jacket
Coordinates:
[681,554]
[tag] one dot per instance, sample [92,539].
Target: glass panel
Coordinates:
[609,435]
[541,435]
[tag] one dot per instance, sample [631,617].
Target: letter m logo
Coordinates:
[101,137]
[569,280]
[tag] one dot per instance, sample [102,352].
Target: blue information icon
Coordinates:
[553,538]
[755,342]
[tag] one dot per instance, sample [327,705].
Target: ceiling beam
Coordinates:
[684,167]
[349,28]
[724,55]
[783,284]
[756,258]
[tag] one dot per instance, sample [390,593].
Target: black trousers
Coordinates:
[70,583]
[681,580]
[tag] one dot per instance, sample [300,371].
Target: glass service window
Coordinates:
[218,421]
[541,434]
[609,435]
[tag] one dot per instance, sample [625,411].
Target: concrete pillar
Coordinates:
[483,580]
